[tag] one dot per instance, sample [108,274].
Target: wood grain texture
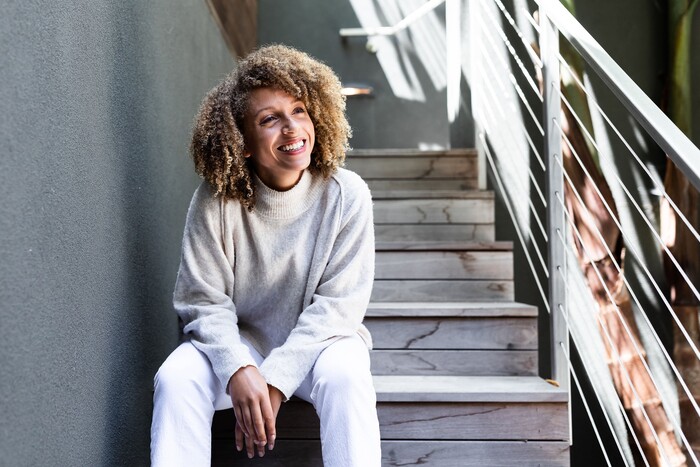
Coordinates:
[502,333]
[454,362]
[434,211]
[396,453]
[450,309]
[441,290]
[444,265]
[238,22]
[412,167]
[435,232]
[433,245]
[467,183]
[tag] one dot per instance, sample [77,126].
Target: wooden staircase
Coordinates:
[455,358]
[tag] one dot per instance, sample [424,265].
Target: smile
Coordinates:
[293,147]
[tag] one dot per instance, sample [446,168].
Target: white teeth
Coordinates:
[292,147]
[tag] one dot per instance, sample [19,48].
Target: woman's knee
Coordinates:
[185,369]
[343,368]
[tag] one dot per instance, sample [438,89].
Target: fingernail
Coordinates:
[250,455]
[238,447]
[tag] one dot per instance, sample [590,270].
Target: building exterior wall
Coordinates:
[97,100]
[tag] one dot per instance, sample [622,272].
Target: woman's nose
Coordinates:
[290,126]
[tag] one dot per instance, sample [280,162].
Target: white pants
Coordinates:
[339,386]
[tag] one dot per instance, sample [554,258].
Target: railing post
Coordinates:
[556,229]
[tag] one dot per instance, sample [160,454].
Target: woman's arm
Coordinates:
[341,298]
[204,288]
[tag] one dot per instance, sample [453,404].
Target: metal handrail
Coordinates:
[675,144]
[391,30]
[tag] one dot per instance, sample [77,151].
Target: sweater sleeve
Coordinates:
[339,302]
[204,287]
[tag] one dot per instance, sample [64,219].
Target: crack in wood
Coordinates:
[441,417]
[423,336]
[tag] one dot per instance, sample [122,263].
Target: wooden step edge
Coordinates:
[496,389]
[449,309]
[425,245]
[399,152]
[429,194]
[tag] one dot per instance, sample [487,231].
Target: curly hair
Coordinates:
[217,145]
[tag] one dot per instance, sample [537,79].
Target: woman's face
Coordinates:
[279,137]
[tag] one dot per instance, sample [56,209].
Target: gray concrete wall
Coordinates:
[96,100]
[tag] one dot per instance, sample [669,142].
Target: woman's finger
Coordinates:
[269,421]
[238,434]
[259,428]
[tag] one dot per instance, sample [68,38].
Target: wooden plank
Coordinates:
[412,167]
[238,22]
[404,152]
[395,453]
[434,211]
[431,245]
[453,333]
[434,232]
[454,362]
[444,265]
[449,309]
[441,290]
[467,389]
[431,421]
[497,421]
[432,194]
[468,183]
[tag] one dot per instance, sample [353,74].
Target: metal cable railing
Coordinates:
[505,53]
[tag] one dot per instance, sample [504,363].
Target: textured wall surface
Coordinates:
[96,100]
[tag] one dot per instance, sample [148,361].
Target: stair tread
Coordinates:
[449,309]
[426,245]
[401,152]
[432,194]
[412,388]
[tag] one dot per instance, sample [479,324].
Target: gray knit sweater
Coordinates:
[292,276]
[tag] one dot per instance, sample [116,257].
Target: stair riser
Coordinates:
[444,265]
[413,167]
[425,184]
[435,233]
[434,211]
[441,290]
[454,333]
[438,421]
[455,362]
[307,453]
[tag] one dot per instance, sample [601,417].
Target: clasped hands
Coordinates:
[256,405]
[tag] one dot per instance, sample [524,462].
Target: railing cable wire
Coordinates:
[632,249]
[625,326]
[633,295]
[535,59]
[518,232]
[636,157]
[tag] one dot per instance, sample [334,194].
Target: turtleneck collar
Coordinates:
[286,204]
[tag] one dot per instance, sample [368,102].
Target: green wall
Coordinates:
[96,100]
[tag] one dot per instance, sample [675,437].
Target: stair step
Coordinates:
[443,408]
[423,184]
[390,290]
[455,362]
[470,153]
[431,194]
[413,165]
[441,245]
[450,309]
[433,232]
[444,265]
[468,333]
[395,453]
[434,211]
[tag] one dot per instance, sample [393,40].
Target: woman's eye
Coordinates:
[267,119]
[299,110]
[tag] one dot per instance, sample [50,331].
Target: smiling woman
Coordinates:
[279,137]
[276,271]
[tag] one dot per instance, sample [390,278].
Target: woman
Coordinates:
[276,271]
